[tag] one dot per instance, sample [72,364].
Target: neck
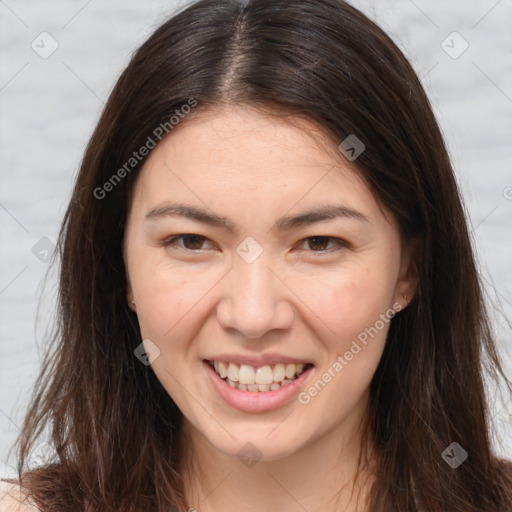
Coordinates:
[331,473]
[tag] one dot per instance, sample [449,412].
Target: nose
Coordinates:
[254,300]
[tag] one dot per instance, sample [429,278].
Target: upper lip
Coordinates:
[261,360]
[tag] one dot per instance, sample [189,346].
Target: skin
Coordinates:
[309,300]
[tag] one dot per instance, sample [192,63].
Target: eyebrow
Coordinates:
[313,216]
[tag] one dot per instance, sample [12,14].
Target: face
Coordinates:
[266,274]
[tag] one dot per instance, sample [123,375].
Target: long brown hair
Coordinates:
[112,425]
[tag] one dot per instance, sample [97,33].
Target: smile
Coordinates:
[258,379]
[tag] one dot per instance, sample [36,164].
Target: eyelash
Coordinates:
[171,242]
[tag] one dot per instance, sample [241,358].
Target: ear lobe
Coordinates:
[407,283]
[129,297]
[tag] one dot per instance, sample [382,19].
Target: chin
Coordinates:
[256,445]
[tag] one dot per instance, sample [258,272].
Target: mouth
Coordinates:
[261,379]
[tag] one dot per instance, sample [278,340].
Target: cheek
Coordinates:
[346,299]
[166,295]
[169,310]
[165,304]
[357,310]
[351,305]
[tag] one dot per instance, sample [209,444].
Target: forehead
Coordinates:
[245,143]
[239,160]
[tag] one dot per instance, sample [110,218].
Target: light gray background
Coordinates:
[48,108]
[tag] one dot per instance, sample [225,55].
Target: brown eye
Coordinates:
[318,243]
[191,242]
[322,244]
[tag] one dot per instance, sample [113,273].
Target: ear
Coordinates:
[129,297]
[407,282]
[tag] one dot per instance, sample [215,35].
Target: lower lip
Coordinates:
[258,401]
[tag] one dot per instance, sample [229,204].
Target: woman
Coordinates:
[267,280]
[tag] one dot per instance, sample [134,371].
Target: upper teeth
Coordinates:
[245,374]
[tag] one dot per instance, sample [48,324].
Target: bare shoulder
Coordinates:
[12,499]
